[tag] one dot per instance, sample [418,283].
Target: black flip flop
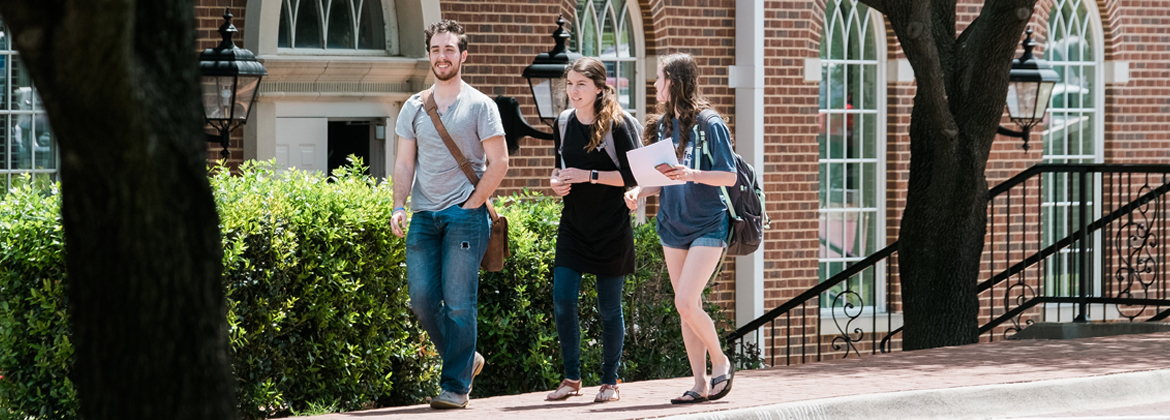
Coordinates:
[695,398]
[721,379]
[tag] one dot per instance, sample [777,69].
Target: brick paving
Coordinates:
[1004,362]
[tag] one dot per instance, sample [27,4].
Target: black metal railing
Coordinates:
[845,307]
[1041,264]
[1076,243]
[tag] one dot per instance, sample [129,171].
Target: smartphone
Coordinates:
[662,167]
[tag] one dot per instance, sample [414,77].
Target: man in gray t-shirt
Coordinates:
[450,226]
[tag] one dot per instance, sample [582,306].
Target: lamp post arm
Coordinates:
[1024,133]
[515,127]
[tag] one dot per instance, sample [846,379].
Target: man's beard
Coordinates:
[454,69]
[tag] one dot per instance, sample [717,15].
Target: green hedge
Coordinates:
[316,292]
[319,314]
[35,352]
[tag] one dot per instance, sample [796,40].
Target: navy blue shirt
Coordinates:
[688,211]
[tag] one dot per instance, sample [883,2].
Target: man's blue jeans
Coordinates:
[566,288]
[443,252]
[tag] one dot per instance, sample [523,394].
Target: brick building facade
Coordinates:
[834,156]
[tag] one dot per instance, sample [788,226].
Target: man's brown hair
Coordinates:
[447,26]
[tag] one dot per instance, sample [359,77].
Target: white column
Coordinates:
[260,132]
[747,78]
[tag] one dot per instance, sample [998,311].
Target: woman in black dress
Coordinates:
[595,234]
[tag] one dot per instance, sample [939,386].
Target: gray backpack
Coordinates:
[632,125]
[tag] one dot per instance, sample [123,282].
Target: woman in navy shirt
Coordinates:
[692,218]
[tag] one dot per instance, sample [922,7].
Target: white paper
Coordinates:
[644,159]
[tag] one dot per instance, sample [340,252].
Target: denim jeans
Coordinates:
[443,252]
[566,288]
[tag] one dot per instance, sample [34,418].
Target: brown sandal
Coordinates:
[566,389]
[608,393]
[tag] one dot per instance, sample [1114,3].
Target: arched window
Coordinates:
[27,145]
[1070,133]
[1073,132]
[331,25]
[605,29]
[851,131]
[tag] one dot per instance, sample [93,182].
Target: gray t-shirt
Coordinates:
[438,181]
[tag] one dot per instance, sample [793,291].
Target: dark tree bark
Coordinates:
[962,86]
[119,82]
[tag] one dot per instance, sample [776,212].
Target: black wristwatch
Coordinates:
[593,177]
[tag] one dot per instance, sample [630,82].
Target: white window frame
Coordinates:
[8,116]
[876,308]
[638,56]
[1095,36]
[389,24]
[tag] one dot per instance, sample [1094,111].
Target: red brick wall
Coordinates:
[792,31]
[1138,113]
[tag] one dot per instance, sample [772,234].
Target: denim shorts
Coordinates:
[716,238]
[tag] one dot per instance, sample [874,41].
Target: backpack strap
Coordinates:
[563,123]
[632,128]
[701,126]
[607,144]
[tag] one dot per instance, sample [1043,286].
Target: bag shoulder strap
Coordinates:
[703,121]
[606,143]
[433,110]
[563,123]
[464,164]
[633,128]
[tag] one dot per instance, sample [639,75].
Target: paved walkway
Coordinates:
[1008,379]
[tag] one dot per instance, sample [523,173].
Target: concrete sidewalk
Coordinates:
[982,381]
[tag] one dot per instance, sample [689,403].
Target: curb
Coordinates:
[976,402]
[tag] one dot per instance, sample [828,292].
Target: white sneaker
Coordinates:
[448,399]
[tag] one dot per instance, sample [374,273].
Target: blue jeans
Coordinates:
[566,288]
[443,252]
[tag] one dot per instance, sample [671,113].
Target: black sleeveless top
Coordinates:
[595,235]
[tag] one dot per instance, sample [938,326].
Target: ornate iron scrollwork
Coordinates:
[1024,293]
[1137,268]
[845,340]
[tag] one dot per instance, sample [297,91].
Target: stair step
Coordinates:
[1068,330]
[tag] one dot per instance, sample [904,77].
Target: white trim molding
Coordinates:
[747,78]
[1116,72]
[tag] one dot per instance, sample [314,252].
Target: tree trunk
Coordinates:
[119,82]
[940,245]
[961,87]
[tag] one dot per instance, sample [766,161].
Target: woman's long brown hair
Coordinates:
[685,97]
[606,107]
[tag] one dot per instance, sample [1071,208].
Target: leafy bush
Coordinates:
[317,292]
[35,352]
[319,318]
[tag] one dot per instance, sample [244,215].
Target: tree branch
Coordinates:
[942,20]
[913,23]
[987,47]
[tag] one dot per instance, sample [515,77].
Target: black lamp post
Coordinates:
[1029,89]
[546,75]
[546,79]
[231,78]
